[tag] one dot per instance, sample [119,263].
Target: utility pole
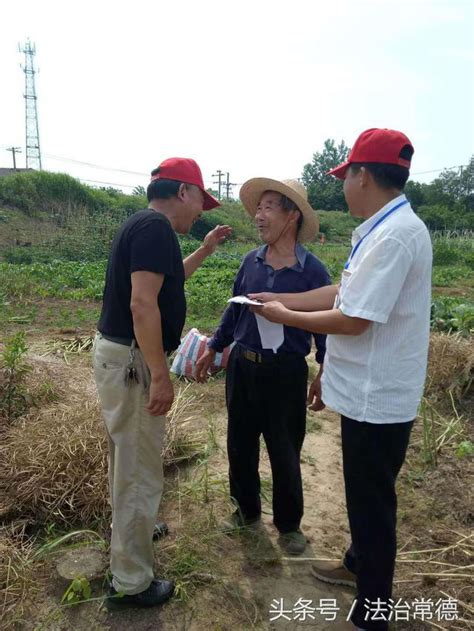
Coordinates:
[33,151]
[14,151]
[470,172]
[220,175]
[228,185]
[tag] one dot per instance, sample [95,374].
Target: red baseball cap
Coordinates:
[185,170]
[376,145]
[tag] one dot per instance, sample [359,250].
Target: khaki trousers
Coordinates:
[135,463]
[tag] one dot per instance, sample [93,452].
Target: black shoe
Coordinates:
[157,593]
[293,542]
[160,530]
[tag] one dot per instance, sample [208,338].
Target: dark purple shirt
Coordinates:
[238,323]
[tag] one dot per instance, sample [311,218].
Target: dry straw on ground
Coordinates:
[441,564]
[451,365]
[53,461]
[17,576]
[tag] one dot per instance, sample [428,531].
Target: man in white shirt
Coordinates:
[378,325]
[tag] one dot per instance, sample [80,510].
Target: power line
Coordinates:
[104,168]
[459,166]
[89,164]
[108,183]
[96,166]
[227,184]
[219,174]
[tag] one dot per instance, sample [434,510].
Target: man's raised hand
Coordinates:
[215,237]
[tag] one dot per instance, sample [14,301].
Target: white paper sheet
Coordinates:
[271,333]
[243,300]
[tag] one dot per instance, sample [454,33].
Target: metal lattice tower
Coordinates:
[33,151]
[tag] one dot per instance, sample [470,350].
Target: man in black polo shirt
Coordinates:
[143,314]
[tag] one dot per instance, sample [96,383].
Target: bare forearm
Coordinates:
[194,260]
[148,333]
[320,299]
[331,322]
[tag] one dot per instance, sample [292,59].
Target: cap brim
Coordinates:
[340,171]
[210,202]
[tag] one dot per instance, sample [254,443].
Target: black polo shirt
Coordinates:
[145,242]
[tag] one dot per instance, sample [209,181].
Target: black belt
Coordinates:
[263,358]
[125,341]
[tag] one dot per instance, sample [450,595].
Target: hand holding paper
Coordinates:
[271,334]
[273,311]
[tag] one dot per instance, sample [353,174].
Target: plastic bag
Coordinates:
[192,346]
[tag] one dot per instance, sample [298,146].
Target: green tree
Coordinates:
[416,193]
[437,217]
[446,203]
[325,192]
[453,187]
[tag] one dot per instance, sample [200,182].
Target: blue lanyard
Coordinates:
[382,218]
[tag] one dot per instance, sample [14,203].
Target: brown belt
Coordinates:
[257,358]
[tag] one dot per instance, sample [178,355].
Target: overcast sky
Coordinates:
[250,87]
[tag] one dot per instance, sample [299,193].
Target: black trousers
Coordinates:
[267,399]
[372,458]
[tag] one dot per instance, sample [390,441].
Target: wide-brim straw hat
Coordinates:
[253,189]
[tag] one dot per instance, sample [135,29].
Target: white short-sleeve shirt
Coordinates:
[378,377]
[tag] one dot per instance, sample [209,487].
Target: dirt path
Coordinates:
[325,525]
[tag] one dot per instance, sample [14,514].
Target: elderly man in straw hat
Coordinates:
[266,391]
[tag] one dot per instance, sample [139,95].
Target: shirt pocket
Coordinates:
[104,361]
